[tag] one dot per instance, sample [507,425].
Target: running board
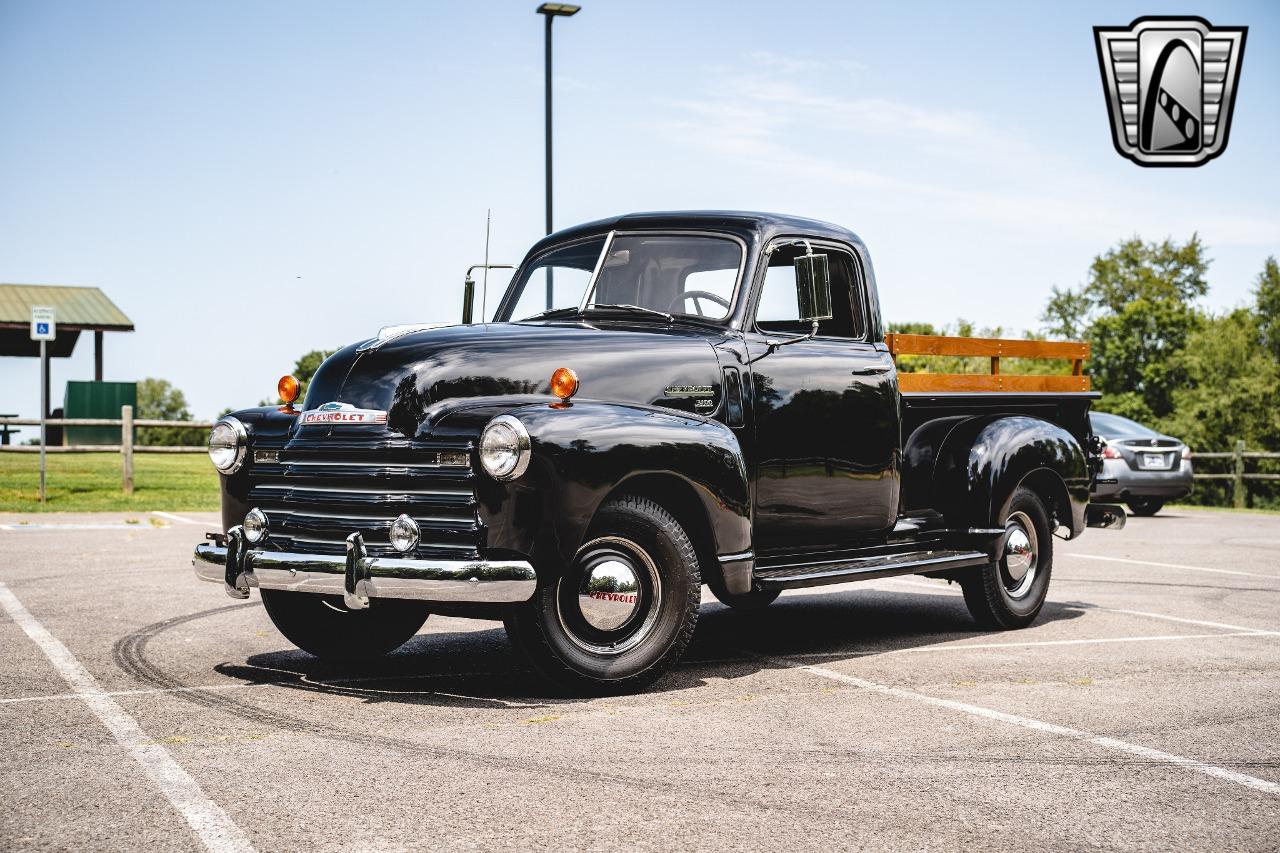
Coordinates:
[867,568]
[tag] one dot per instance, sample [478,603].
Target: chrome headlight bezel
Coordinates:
[241,446]
[506,433]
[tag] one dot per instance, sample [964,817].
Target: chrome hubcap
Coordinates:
[609,595]
[607,601]
[1020,560]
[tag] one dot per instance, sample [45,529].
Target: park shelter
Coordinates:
[78,309]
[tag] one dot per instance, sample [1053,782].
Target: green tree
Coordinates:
[1137,310]
[159,400]
[1267,296]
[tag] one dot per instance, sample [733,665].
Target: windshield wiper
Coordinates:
[639,309]
[541,315]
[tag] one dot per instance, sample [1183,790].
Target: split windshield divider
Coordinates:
[595,273]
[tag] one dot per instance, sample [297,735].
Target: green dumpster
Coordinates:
[96,400]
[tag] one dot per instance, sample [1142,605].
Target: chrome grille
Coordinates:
[317,492]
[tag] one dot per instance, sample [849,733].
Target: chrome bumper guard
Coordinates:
[358,577]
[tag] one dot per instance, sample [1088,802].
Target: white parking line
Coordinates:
[1247,781]
[207,820]
[1169,565]
[1150,615]
[173,517]
[960,647]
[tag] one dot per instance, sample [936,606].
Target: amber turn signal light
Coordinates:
[564,383]
[288,388]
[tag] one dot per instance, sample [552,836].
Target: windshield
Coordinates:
[1111,426]
[683,275]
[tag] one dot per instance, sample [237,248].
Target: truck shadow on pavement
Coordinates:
[479,668]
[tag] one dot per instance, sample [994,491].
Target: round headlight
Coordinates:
[227,444]
[504,448]
[256,525]
[404,534]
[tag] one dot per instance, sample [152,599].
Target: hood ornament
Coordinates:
[390,333]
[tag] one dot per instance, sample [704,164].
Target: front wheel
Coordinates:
[622,613]
[1010,593]
[1145,506]
[323,626]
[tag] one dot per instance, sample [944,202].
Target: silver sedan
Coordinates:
[1140,466]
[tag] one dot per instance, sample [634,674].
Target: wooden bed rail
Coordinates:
[994,349]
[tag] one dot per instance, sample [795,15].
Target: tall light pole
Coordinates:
[551,11]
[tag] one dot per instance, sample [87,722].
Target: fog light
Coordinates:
[256,526]
[404,534]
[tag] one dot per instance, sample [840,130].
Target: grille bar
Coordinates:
[316,493]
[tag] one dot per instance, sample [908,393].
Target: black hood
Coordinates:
[418,376]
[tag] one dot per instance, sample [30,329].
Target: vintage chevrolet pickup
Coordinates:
[661,401]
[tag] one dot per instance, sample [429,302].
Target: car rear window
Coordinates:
[1110,426]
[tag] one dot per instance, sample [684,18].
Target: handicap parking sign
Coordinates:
[44,324]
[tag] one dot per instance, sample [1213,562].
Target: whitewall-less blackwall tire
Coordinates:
[622,613]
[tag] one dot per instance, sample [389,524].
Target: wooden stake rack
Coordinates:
[994,349]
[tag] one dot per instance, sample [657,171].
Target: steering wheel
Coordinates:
[697,295]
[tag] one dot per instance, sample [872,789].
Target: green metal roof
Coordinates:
[76,307]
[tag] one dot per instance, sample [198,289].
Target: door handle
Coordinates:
[874,370]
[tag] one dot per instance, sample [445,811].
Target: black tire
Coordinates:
[1145,506]
[558,638]
[997,598]
[323,626]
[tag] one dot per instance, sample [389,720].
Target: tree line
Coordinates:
[1159,356]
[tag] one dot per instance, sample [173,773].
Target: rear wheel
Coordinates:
[1145,506]
[623,611]
[1009,593]
[323,626]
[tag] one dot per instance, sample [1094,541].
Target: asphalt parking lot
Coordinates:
[141,707]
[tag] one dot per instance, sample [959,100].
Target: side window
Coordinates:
[779,307]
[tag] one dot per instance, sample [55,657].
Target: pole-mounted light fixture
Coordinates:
[551,11]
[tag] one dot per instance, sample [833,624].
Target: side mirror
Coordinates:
[468,299]
[813,284]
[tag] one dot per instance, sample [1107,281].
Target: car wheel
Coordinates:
[1009,593]
[622,613]
[323,626]
[1145,506]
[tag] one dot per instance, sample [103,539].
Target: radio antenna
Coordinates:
[484,287]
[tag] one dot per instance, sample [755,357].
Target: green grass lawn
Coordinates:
[85,482]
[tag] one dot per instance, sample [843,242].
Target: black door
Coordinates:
[825,415]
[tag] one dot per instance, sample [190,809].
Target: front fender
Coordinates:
[983,460]
[584,451]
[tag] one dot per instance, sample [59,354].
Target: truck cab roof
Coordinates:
[752,226]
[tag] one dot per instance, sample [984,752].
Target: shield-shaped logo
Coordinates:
[1170,85]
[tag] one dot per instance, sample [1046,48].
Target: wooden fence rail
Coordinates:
[125,448]
[1238,476]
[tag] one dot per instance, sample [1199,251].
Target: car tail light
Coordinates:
[1186,452]
[1109,452]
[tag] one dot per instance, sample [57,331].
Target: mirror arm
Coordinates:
[773,344]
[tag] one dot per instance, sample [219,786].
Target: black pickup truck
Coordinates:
[662,401]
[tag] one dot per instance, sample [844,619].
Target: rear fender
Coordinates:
[983,460]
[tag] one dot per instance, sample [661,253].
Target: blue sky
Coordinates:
[249,181]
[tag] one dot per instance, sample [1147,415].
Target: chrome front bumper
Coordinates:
[358,577]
